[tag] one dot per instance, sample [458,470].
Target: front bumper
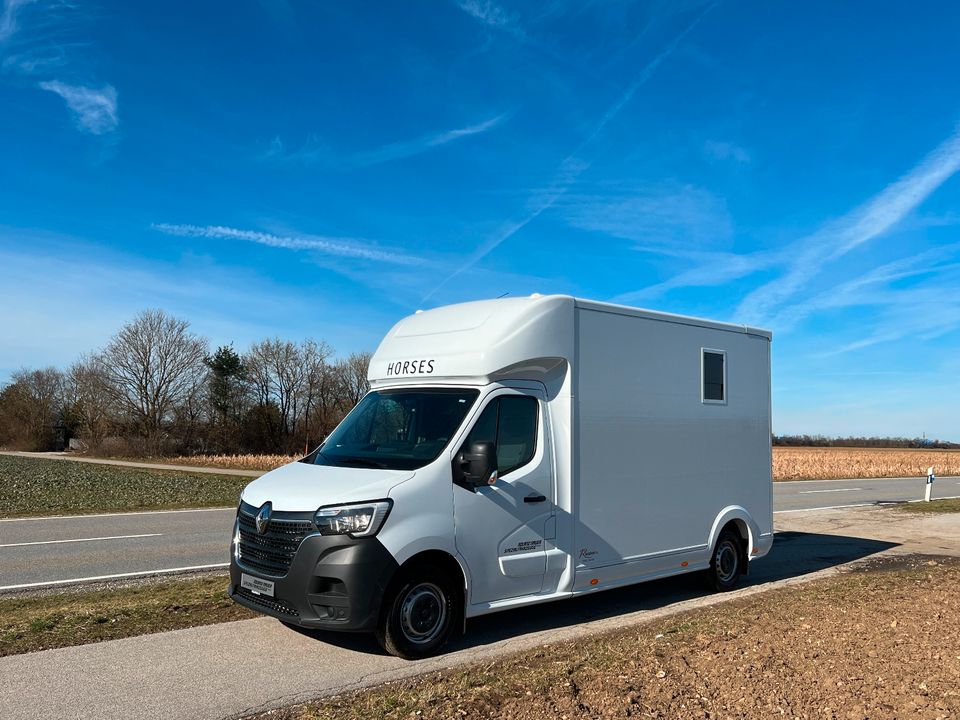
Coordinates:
[334,582]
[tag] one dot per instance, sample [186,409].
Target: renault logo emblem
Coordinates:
[263,517]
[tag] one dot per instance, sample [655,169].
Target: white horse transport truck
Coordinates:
[517,451]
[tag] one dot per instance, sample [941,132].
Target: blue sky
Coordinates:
[322,169]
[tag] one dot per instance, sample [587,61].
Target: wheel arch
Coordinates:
[437,558]
[737,517]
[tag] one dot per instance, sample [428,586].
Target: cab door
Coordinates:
[500,530]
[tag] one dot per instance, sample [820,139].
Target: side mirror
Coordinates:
[479,466]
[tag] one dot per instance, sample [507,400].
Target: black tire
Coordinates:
[420,613]
[726,563]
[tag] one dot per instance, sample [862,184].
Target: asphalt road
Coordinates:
[232,669]
[815,494]
[49,551]
[43,551]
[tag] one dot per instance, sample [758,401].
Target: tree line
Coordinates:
[861,442]
[156,388]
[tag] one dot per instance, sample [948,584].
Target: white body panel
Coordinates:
[656,466]
[639,474]
[296,486]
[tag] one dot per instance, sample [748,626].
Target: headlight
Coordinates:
[360,520]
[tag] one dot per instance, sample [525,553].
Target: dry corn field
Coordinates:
[234,462]
[810,463]
[789,463]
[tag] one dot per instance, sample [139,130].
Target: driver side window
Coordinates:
[510,422]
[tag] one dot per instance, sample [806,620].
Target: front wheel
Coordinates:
[726,564]
[419,614]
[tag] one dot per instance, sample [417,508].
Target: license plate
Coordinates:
[257,585]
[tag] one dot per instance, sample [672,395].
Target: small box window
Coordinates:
[714,376]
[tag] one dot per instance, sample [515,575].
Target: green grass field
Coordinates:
[36,486]
[934,506]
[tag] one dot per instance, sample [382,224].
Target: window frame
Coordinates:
[725,393]
[471,395]
[538,428]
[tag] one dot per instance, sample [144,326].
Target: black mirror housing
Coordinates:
[479,465]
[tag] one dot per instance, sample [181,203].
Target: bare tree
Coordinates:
[12,432]
[296,381]
[317,389]
[33,404]
[277,375]
[154,365]
[155,382]
[338,388]
[353,378]
[91,399]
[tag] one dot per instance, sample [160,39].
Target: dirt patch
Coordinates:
[882,642]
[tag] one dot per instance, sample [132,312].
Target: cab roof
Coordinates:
[478,339]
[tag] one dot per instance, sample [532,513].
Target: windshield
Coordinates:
[396,429]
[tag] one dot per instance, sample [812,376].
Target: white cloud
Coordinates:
[338,246]
[677,221]
[409,148]
[94,109]
[309,153]
[709,269]
[34,64]
[874,287]
[674,216]
[8,18]
[314,151]
[52,42]
[487,12]
[921,314]
[866,223]
[572,166]
[645,74]
[787,299]
[717,150]
[62,297]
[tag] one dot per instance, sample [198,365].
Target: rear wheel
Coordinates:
[726,564]
[420,613]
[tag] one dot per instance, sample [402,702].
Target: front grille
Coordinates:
[272,552]
[273,605]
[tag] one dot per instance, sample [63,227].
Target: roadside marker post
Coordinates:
[929,488]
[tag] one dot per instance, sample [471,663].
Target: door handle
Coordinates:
[535,499]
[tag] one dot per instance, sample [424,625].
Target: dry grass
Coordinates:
[789,463]
[835,463]
[234,462]
[951,505]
